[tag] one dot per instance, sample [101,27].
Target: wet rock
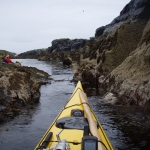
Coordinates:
[19,87]
[87,74]
[17,63]
[109,98]
[67,61]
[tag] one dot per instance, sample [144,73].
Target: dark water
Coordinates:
[126,127]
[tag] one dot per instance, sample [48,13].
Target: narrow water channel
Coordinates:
[121,124]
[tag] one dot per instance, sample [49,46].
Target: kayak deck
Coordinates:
[69,125]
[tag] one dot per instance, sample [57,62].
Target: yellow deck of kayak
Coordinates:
[72,135]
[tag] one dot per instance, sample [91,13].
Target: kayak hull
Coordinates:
[69,124]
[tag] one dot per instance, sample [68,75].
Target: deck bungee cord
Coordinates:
[71,142]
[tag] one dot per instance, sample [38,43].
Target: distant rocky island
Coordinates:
[116,60]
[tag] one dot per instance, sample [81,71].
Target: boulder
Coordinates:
[67,61]
[109,98]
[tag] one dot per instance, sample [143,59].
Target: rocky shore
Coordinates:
[19,88]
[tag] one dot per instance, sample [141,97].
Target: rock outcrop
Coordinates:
[3,53]
[31,54]
[64,50]
[132,77]
[117,60]
[60,50]
[19,87]
[60,45]
[135,10]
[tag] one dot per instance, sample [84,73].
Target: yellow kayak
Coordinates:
[75,128]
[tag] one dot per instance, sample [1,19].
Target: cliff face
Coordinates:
[131,78]
[118,57]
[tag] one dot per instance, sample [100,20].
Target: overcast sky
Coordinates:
[31,24]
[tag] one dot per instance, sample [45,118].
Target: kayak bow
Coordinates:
[75,128]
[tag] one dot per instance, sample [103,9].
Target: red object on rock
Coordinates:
[8,60]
